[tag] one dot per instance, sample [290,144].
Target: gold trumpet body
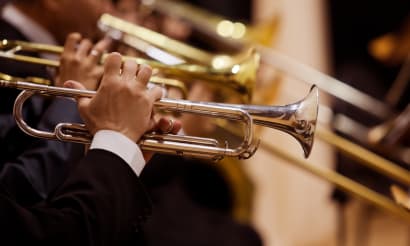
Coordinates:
[239,76]
[298,120]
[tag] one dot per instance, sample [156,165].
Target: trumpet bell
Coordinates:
[298,119]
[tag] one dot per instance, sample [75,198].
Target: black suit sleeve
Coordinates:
[31,168]
[102,202]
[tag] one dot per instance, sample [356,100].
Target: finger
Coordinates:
[147,155]
[177,127]
[98,50]
[165,125]
[144,74]
[129,70]
[112,67]
[151,124]
[155,93]
[168,125]
[83,48]
[72,84]
[82,101]
[70,44]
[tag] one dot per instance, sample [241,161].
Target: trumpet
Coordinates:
[239,76]
[298,120]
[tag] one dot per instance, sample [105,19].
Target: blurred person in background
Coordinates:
[30,168]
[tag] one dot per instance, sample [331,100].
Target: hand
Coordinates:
[196,125]
[80,61]
[122,102]
[163,126]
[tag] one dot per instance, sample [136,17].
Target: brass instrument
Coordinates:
[400,196]
[344,183]
[8,49]
[384,138]
[131,34]
[233,34]
[239,76]
[298,120]
[279,61]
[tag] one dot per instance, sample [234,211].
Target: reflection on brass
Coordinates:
[400,196]
[231,33]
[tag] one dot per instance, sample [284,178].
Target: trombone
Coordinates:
[297,119]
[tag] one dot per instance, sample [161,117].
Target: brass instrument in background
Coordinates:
[8,50]
[238,77]
[302,72]
[281,62]
[298,120]
[132,35]
[231,34]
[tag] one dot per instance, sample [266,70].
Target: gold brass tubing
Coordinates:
[341,182]
[36,80]
[239,77]
[365,156]
[181,49]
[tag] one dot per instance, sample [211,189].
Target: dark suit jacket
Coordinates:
[31,168]
[102,202]
[191,205]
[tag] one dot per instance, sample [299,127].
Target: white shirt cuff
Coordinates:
[120,145]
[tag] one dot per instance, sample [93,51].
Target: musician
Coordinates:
[31,168]
[102,201]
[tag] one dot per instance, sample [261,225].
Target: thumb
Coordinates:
[73,85]
[81,101]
